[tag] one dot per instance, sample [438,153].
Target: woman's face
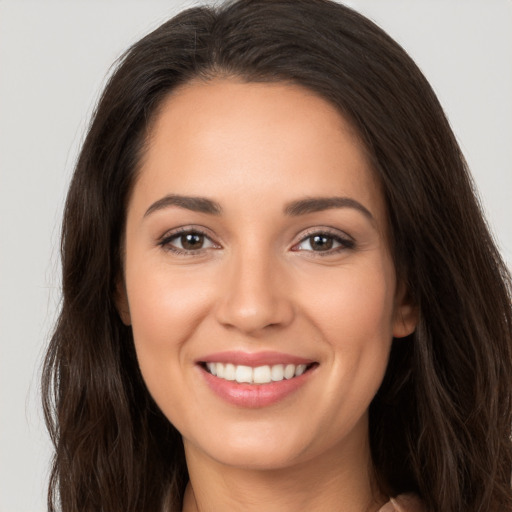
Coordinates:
[256,249]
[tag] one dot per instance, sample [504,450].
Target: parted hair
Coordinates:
[440,425]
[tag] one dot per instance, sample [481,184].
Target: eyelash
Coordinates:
[166,241]
[345,243]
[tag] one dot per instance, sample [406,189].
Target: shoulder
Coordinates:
[403,503]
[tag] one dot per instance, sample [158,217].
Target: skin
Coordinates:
[258,284]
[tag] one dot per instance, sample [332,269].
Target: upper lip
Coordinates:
[254,359]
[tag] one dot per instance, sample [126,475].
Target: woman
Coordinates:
[279,290]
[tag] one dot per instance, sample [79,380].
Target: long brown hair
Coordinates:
[440,425]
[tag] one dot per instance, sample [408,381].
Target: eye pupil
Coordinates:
[192,241]
[321,243]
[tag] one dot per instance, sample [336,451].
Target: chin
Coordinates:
[266,449]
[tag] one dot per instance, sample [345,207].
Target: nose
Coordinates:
[255,295]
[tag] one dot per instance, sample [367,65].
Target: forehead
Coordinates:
[238,140]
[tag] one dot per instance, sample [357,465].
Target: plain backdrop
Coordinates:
[54,57]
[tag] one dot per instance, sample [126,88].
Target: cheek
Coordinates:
[355,306]
[355,319]
[355,324]
[164,305]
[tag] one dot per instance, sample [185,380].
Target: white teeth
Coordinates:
[229,372]
[301,368]
[262,375]
[258,375]
[212,368]
[277,372]
[289,371]
[243,374]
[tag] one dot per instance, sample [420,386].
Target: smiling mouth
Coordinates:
[264,374]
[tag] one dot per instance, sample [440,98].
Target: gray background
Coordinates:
[53,60]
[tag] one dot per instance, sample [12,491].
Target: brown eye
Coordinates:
[188,242]
[321,242]
[324,243]
[192,241]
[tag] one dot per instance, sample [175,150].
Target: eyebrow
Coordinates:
[317,204]
[293,209]
[195,204]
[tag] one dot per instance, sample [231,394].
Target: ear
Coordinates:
[121,301]
[406,313]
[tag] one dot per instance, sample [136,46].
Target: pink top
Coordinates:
[403,503]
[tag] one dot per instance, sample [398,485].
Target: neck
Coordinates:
[340,480]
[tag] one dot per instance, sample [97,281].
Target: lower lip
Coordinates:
[254,395]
